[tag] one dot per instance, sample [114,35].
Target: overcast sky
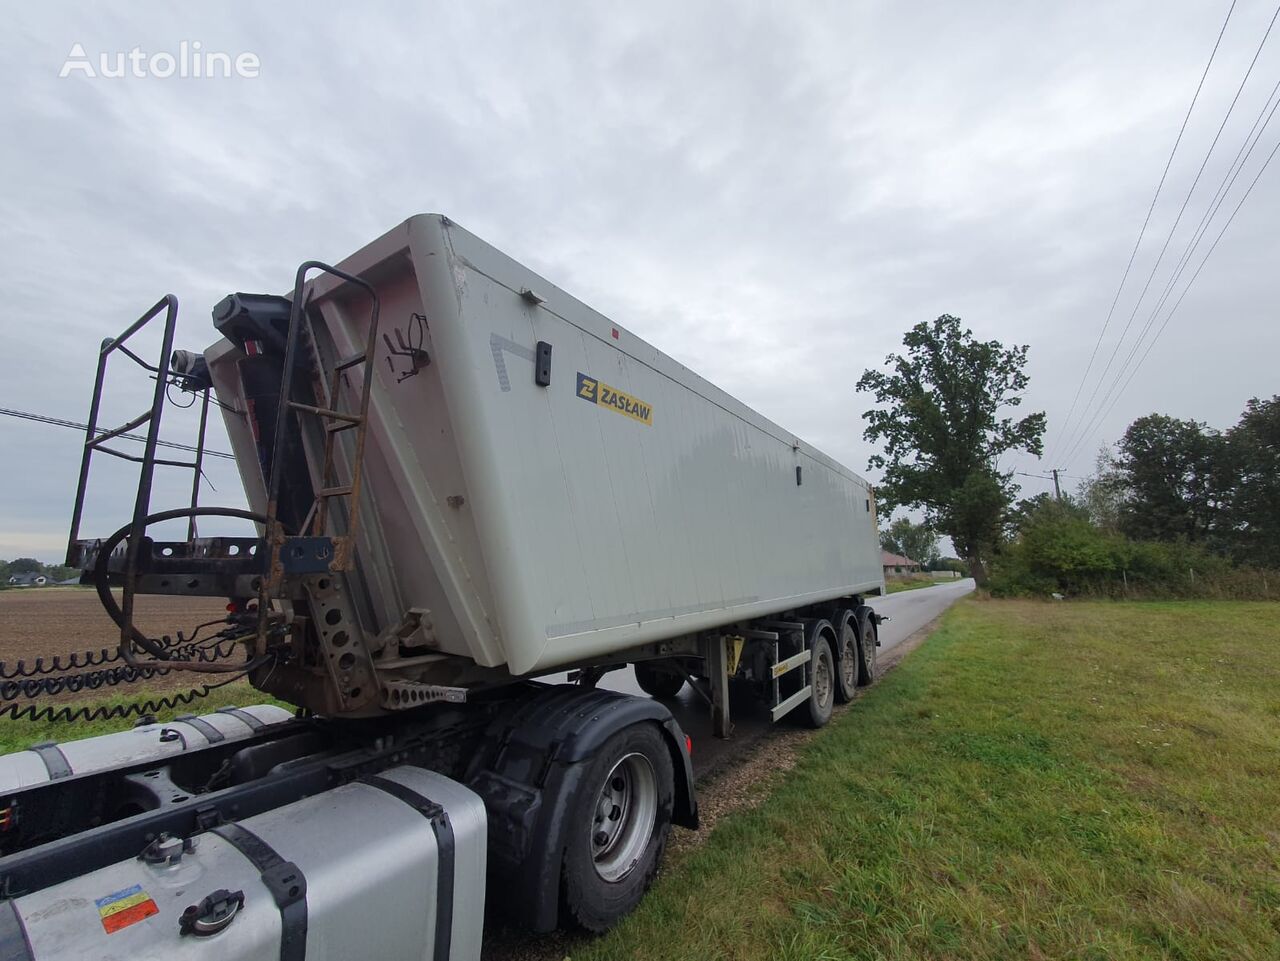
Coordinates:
[769,195]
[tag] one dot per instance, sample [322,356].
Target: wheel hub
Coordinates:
[849,660]
[623,817]
[822,680]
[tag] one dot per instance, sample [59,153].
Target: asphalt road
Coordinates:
[909,611]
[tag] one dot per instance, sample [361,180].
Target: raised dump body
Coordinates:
[548,486]
[459,475]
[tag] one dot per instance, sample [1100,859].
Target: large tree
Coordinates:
[1175,478]
[1253,514]
[916,541]
[943,425]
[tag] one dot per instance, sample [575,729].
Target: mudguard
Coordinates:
[535,757]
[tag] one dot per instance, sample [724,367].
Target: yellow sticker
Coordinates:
[602,395]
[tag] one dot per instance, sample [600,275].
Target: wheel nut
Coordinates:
[601,838]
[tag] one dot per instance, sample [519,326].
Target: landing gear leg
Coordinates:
[718,674]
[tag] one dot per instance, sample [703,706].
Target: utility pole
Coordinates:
[1057,488]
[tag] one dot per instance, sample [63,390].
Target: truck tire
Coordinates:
[848,656]
[657,683]
[618,828]
[866,651]
[823,680]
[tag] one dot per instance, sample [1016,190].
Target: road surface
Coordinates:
[909,611]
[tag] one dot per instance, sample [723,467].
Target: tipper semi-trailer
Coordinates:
[460,480]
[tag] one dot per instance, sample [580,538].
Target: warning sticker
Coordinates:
[602,395]
[125,907]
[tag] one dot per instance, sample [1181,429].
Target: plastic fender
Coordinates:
[533,762]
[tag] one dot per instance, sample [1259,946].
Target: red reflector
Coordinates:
[232,608]
[615,333]
[688,745]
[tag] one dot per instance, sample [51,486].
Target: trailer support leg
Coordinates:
[718,673]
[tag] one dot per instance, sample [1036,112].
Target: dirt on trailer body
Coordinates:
[58,621]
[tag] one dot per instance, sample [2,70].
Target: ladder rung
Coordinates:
[351,362]
[106,435]
[326,412]
[340,425]
[334,491]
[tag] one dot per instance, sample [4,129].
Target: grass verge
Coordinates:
[897,585]
[1092,780]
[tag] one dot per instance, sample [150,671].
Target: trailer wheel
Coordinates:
[848,663]
[657,683]
[866,651]
[823,681]
[618,828]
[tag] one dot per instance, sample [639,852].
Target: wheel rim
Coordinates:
[849,659]
[623,817]
[869,652]
[822,679]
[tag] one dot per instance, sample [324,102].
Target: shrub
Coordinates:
[1059,551]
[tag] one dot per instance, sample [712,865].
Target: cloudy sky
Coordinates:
[773,194]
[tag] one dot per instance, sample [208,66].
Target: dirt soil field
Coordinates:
[47,621]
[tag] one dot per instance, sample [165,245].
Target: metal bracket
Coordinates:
[403,695]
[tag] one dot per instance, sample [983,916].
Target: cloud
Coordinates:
[770,197]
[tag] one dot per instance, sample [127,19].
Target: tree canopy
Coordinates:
[1172,473]
[1251,508]
[916,541]
[944,423]
[1173,480]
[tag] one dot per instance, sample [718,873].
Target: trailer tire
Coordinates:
[823,681]
[867,645]
[848,656]
[603,880]
[657,683]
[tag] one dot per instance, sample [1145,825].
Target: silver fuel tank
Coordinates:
[389,867]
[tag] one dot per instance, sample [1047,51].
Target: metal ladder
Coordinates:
[312,550]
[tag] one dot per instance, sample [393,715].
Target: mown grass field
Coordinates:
[1091,781]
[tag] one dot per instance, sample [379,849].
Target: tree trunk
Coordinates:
[977,567]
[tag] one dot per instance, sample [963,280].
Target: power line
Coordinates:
[74,425]
[1146,221]
[1220,197]
[1102,414]
[1172,230]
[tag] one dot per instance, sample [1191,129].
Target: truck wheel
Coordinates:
[657,683]
[866,652]
[822,698]
[618,828]
[847,664]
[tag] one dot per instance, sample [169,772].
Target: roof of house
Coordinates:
[896,560]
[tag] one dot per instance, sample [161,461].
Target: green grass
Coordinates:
[21,734]
[1087,781]
[895,586]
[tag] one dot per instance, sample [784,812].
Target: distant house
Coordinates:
[897,564]
[28,580]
